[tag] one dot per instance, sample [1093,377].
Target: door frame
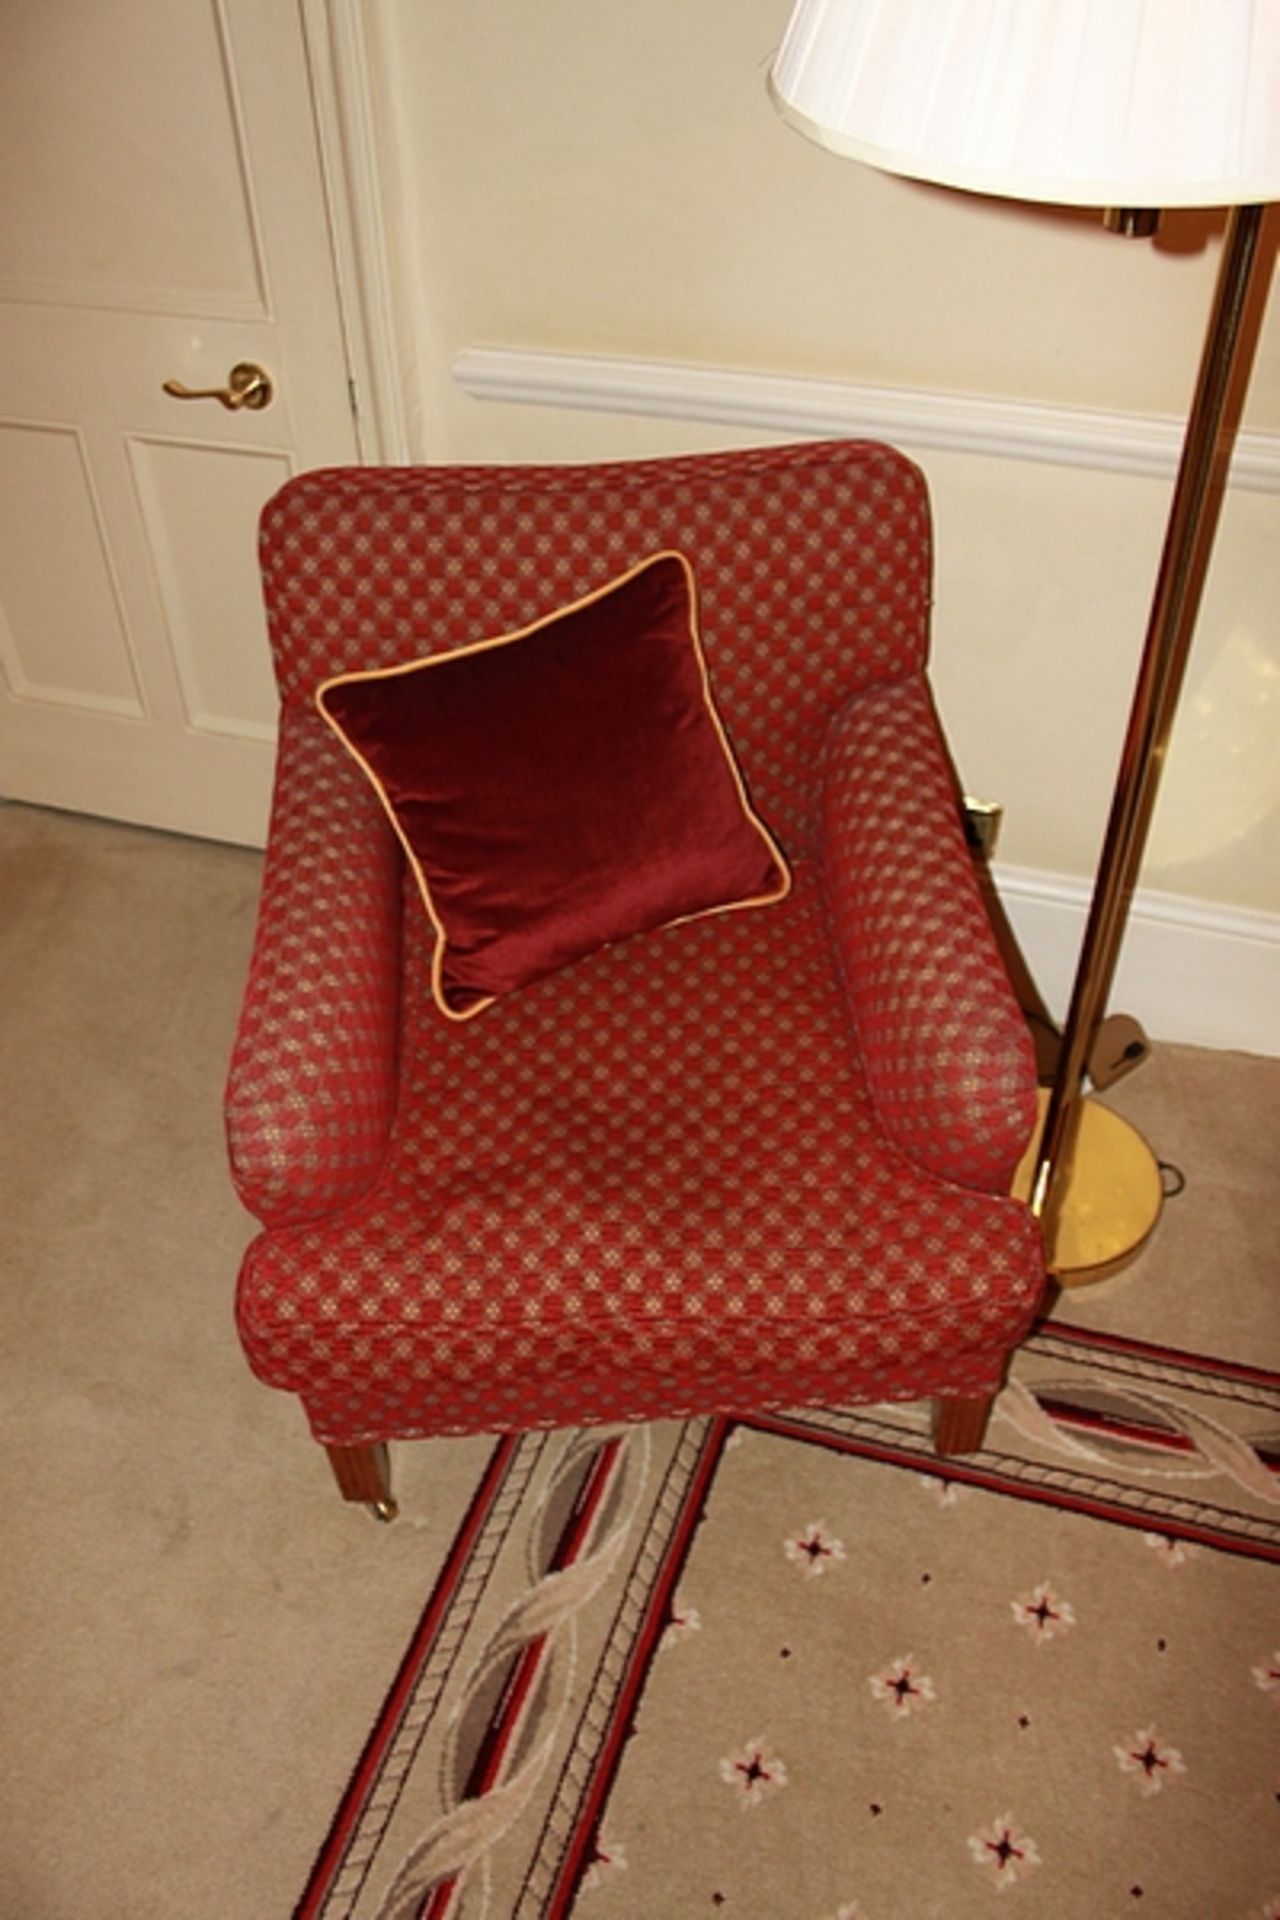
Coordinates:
[345,56]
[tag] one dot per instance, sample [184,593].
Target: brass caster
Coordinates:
[384,1510]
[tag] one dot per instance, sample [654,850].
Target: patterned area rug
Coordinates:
[794,1668]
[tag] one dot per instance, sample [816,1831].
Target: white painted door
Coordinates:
[162,216]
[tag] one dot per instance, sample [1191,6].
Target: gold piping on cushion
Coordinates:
[429,661]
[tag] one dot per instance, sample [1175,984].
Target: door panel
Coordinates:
[164,218]
[200,507]
[163,140]
[63,635]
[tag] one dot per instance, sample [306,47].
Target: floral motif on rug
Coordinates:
[794,1667]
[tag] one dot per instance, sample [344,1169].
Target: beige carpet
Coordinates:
[196,1633]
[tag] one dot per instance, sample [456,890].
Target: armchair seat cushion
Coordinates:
[654,1185]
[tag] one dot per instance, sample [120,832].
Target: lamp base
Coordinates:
[1112,1199]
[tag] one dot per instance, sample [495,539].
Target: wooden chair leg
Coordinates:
[364,1474]
[960,1425]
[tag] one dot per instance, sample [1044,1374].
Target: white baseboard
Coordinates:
[792,404]
[1192,972]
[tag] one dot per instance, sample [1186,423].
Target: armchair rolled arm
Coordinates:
[311,1091]
[945,1047]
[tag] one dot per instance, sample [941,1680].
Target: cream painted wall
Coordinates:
[607,177]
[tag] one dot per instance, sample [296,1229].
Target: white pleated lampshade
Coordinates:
[1134,103]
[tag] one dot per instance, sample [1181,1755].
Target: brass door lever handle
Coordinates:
[247,386]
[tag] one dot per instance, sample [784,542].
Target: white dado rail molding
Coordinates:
[785,403]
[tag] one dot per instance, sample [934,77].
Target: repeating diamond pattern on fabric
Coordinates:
[926,980]
[754,1160]
[826,546]
[312,1087]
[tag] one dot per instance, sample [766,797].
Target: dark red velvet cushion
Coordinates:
[560,787]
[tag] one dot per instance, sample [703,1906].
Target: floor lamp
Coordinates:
[1130,106]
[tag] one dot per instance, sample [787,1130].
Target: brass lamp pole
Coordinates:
[1193,518]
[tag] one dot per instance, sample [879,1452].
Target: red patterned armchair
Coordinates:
[758,1159]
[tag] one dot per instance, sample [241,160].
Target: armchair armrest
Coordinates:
[311,1090]
[947,1053]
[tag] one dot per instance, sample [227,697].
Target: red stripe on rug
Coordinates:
[1148,1350]
[505,1723]
[658,1614]
[506,1718]
[1053,1491]
[1146,1433]
[365,1776]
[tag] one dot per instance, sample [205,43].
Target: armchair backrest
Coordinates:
[813,566]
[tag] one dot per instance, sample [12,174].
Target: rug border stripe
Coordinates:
[1048,1493]
[365,1774]
[577,1856]
[1120,1343]
[507,1716]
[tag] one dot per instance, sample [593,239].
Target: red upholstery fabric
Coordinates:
[312,1087]
[755,1158]
[925,981]
[561,787]
[828,549]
